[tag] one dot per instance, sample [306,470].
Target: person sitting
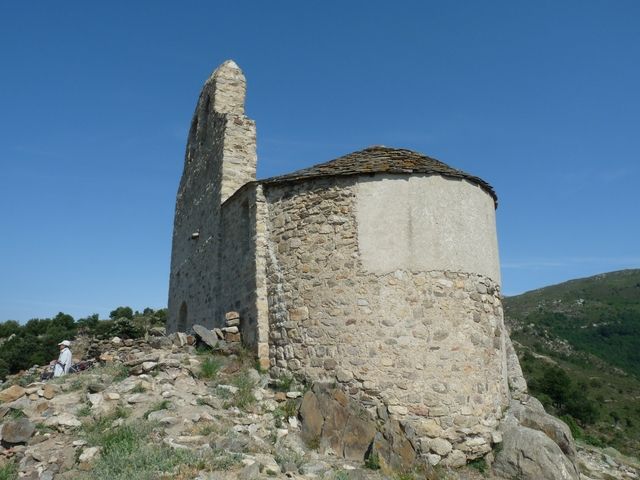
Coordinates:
[63,364]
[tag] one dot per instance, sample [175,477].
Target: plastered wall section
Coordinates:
[428,344]
[423,223]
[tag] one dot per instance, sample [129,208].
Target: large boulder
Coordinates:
[12,393]
[63,420]
[530,413]
[160,342]
[312,419]
[392,446]
[529,454]
[205,335]
[515,377]
[17,431]
[180,339]
[332,422]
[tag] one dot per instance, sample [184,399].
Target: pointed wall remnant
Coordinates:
[220,157]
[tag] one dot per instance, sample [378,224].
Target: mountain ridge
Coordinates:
[585,332]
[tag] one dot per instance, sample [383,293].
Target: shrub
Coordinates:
[479,464]
[138,389]
[4,369]
[314,442]
[84,411]
[163,405]
[127,453]
[208,428]
[284,382]
[595,441]
[244,396]
[595,383]
[9,471]
[125,328]
[121,312]
[93,430]
[210,367]
[582,408]
[27,379]
[372,462]
[119,371]
[576,431]
[286,458]
[15,413]
[290,408]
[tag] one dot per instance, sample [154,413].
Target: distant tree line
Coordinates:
[36,342]
[611,334]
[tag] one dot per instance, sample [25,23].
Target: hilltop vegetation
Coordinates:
[36,342]
[579,347]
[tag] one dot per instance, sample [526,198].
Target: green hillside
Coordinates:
[579,346]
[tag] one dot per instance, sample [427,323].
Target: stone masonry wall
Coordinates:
[239,165]
[219,159]
[428,345]
[237,261]
[194,261]
[242,267]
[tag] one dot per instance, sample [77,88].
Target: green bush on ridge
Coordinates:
[36,342]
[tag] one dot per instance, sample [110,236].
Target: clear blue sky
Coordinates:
[541,99]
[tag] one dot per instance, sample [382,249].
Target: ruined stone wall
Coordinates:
[237,260]
[220,158]
[430,344]
[194,258]
[242,266]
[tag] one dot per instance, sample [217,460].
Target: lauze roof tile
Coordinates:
[379,159]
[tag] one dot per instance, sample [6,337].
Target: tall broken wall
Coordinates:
[389,285]
[219,159]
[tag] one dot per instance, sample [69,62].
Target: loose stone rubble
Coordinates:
[163,386]
[270,429]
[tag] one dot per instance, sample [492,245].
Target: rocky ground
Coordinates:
[162,408]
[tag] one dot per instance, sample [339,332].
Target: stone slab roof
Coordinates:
[380,159]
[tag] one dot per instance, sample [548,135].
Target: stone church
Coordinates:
[378,271]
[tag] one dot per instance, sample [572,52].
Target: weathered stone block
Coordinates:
[344,375]
[298,314]
[12,393]
[439,446]
[207,336]
[232,337]
[17,431]
[531,455]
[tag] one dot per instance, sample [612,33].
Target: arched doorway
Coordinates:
[182,318]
